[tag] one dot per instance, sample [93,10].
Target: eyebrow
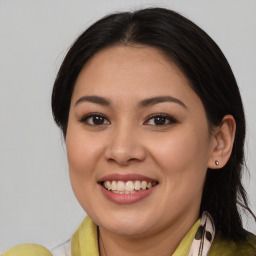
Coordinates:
[160,99]
[144,103]
[93,99]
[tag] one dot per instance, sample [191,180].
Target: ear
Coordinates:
[222,143]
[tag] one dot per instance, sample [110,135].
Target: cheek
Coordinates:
[82,152]
[183,159]
[83,156]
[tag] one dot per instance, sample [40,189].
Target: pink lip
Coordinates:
[126,177]
[126,198]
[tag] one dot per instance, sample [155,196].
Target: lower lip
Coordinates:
[127,198]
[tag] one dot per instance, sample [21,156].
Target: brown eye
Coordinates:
[95,120]
[160,120]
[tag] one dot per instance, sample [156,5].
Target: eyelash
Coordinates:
[170,119]
[85,118]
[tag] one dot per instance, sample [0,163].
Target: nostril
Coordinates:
[124,150]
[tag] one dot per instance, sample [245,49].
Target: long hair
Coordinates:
[210,76]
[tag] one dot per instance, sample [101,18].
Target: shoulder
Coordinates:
[230,248]
[63,249]
[27,250]
[39,250]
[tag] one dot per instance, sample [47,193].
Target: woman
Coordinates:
[154,129]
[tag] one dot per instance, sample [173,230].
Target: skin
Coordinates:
[176,154]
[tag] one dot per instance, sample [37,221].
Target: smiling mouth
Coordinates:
[128,187]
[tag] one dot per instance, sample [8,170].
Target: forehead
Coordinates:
[131,71]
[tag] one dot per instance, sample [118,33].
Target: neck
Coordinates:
[164,242]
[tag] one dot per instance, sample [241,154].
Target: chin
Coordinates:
[127,229]
[129,224]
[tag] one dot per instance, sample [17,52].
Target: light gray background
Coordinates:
[36,200]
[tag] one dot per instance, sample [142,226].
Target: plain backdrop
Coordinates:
[36,200]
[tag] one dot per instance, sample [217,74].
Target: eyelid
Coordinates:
[171,119]
[93,114]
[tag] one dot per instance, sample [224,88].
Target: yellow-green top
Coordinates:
[84,243]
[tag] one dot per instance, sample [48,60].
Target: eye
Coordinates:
[95,119]
[160,120]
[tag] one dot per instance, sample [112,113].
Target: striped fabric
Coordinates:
[204,236]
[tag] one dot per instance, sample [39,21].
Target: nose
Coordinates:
[125,147]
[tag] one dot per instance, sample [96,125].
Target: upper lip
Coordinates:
[126,177]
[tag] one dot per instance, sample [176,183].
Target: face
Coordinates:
[138,142]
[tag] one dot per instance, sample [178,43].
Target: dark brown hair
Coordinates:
[210,76]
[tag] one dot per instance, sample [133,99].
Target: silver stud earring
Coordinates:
[217,163]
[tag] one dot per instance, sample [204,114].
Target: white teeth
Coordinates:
[149,185]
[120,186]
[137,185]
[128,187]
[108,185]
[144,184]
[114,185]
